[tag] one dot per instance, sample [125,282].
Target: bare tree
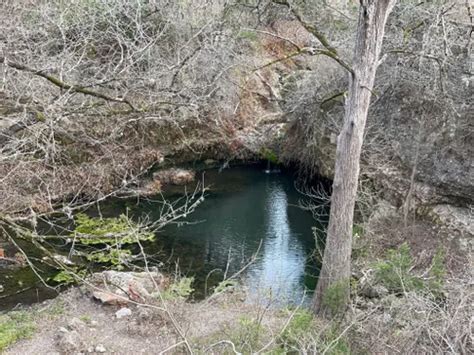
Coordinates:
[332,294]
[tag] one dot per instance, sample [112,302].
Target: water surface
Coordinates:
[246,212]
[250,224]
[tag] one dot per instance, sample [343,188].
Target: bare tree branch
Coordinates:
[59,83]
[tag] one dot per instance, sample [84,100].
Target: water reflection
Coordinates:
[247,210]
[278,273]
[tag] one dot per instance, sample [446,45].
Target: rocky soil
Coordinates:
[75,323]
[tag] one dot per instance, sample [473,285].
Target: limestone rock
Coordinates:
[123,312]
[116,287]
[100,349]
[174,176]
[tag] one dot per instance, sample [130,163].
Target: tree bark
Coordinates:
[333,290]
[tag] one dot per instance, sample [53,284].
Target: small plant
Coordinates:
[397,275]
[107,236]
[225,286]
[358,230]
[85,318]
[334,343]
[437,274]
[395,272]
[13,327]
[335,296]
[247,335]
[302,335]
[113,256]
[269,155]
[297,329]
[66,277]
[181,289]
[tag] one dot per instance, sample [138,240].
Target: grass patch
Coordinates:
[13,327]
[296,331]
[247,335]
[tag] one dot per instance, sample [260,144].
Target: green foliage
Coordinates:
[334,344]
[303,336]
[115,257]
[358,230]
[437,273]
[111,232]
[66,277]
[397,275]
[86,318]
[225,285]
[105,230]
[247,334]
[181,289]
[269,155]
[63,277]
[395,272]
[336,296]
[298,328]
[13,327]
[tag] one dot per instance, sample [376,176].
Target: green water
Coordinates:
[246,212]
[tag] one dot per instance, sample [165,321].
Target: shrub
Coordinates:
[396,273]
[247,335]
[335,296]
[180,289]
[225,286]
[299,326]
[437,274]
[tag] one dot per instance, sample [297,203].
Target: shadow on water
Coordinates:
[246,212]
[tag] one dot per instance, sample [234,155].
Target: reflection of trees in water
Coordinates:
[234,224]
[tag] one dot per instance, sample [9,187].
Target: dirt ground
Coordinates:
[74,323]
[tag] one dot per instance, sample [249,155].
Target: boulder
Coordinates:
[117,288]
[174,176]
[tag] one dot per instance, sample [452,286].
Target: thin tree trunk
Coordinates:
[332,293]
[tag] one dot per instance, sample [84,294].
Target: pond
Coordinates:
[250,224]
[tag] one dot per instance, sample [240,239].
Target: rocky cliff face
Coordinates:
[420,133]
[409,137]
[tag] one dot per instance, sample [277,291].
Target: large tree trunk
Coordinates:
[332,293]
